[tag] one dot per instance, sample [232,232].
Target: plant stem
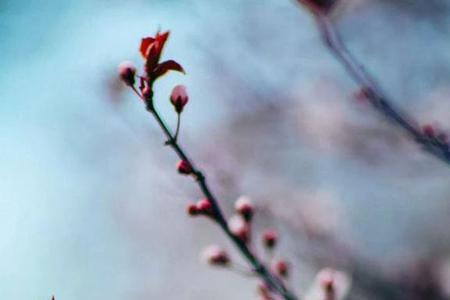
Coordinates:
[375,95]
[275,284]
[177,130]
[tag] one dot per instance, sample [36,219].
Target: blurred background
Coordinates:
[92,207]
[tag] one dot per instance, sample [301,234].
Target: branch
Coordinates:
[276,285]
[435,145]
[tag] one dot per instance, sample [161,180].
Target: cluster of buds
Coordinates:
[270,240]
[202,207]
[240,223]
[240,226]
[151,49]
[215,256]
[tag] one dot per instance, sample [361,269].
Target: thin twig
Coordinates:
[332,39]
[177,130]
[275,284]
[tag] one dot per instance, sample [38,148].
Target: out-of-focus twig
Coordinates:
[440,149]
[434,143]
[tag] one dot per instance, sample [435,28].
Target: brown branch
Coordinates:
[276,285]
[434,145]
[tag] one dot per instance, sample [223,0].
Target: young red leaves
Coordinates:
[151,49]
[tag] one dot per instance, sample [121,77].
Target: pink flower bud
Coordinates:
[204,206]
[282,268]
[192,210]
[239,228]
[326,280]
[331,285]
[429,131]
[270,238]
[184,167]
[127,72]
[363,94]
[215,256]
[244,207]
[179,98]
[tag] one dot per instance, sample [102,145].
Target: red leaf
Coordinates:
[154,50]
[166,66]
[161,39]
[145,45]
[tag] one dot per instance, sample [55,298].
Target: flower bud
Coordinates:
[192,210]
[326,281]
[127,72]
[270,238]
[428,130]
[282,268]
[179,98]
[244,207]
[239,228]
[363,94]
[184,167]
[204,206]
[330,285]
[215,256]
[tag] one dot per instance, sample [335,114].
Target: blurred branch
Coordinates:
[433,142]
[323,248]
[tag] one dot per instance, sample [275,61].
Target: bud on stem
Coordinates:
[184,167]
[127,73]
